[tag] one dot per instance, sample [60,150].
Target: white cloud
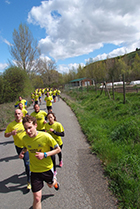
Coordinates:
[7,2]
[76,27]
[65,68]
[116,52]
[7,42]
[3,66]
[44,58]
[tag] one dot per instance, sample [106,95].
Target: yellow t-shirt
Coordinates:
[39,93]
[24,111]
[32,96]
[50,92]
[20,132]
[58,92]
[36,97]
[42,91]
[40,117]
[54,92]
[57,127]
[23,101]
[48,100]
[41,143]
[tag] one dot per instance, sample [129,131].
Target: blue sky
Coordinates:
[72,31]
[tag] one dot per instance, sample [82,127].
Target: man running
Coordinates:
[24,111]
[48,99]
[16,129]
[58,94]
[41,117]
[38,144]
[23,101]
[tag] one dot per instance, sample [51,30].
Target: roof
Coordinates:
[79,79]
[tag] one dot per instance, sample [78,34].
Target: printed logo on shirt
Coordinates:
[35,150]
[20,131]
[39,118]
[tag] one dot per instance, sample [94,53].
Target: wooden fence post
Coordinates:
[124,89]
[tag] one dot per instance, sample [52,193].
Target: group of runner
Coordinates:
[49,92]
[37,139]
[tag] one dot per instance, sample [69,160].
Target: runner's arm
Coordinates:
[10,133]
[59,133]
[41,155]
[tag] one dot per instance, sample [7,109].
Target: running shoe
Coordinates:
[56,186]
[61,163]
[55,173]
[28,186]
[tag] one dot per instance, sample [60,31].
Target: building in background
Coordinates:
[80,82]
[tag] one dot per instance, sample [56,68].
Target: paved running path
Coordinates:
[82,184]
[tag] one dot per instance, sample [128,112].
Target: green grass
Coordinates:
[113,131]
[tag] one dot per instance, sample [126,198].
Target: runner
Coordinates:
[43,91]
[57,131]
[24,111]
[38,144]
[39,95]
[54,92]
[58,94]
[23,101]
[16,129]
[48,99]
[41,117]
[36,98]
[32,98]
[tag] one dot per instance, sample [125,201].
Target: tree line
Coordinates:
[111,69]
[29,71]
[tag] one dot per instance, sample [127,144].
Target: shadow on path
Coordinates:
[6,142]
[44,197]
[6,159]
[14,183]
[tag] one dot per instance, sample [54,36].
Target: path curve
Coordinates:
[82,183]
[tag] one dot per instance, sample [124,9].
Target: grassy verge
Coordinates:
[113,131]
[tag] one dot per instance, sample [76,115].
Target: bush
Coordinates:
[15,82]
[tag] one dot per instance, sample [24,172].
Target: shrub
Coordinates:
[15,83]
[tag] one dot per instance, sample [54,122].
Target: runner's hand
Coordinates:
[21,155]
[39,155]
[14,132]
[51,129]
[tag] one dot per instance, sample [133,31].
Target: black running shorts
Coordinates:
[37,180]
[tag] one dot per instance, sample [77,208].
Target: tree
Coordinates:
[1,89]
[47,71]
[37,81]
[136,68]
[15,82]
[80,72]
[24,49]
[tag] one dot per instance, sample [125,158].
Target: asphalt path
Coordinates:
[82,183]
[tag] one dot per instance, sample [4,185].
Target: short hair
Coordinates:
[36,104]
[29,119]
